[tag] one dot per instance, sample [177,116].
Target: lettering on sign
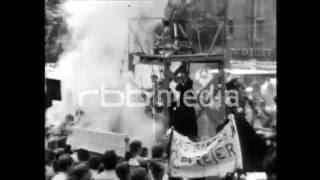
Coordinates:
[257,53]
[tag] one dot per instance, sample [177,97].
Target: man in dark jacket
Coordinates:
[185,116]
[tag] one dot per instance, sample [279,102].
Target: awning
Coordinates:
[237,71]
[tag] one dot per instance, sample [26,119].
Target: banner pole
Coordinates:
[169,149]
[232,119]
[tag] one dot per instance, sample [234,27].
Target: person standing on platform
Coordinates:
[185,114]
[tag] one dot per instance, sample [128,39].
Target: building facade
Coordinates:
[251,30]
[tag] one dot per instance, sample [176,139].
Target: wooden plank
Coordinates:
[191,58]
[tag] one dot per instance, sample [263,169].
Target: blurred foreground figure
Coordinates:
[81,172]
[109,160]
[64,167]
[123,171]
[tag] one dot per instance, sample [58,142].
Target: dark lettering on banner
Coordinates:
[219,154]
[207,158]
[186,147]
[225,134]
[200,161]
[229,147]
[213,157]
[174,157]
[197,147]
[233,131]
[186,160]
[179,144]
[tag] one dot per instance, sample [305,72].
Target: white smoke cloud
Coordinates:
[98,44]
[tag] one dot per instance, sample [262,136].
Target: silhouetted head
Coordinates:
[139,173]
[81,172]
[64,163]
[136,147]
[109,160]
[157,151]
[94,162]
[83,155]
[123,171]
[157,170]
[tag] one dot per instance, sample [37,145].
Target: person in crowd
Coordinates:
[74,156]
[123,171]
[83,155]
[81,172]
[94,162]
[135,153]
[58,135]
[266,117]
[185,116]
[138,173]
[67,149]
[127,155]
[64,167]
[144,152]
[64,128]
[229,176]
[109,160]
[58,152]
[270,160]
[157,152]
[55,166]
[158,157]
[144,164]
[157,170]
[237,90]
[49,159]
[253,147]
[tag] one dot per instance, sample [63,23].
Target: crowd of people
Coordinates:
[64,163]
[252,105]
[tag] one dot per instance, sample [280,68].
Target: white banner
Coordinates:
[213,157]
[97,142]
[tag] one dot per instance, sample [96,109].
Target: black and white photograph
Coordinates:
[160,90]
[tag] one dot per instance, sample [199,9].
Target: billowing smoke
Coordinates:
[94,56]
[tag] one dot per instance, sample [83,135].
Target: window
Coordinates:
[259,31]
[259,20]
[230,28]
[259,9]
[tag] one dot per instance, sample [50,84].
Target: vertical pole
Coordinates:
[253,23]
[166,84]
[166,80]
[199,42]
[225,29]
[153,111]
[169,150]
[222,65]
[128,38]
[175,29]
[222,89]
